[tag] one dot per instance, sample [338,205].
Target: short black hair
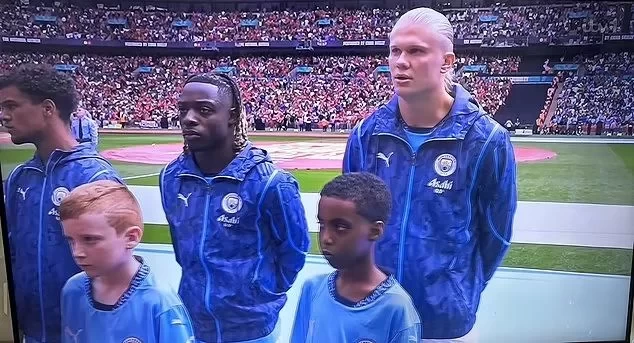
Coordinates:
[367,191]
[40,82]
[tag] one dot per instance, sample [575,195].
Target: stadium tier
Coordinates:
[335,92]
[338,90]
[158,24]
[560,93]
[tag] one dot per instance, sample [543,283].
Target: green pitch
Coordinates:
[534,256]
[581,173]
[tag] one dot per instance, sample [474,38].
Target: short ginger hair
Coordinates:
[109,198]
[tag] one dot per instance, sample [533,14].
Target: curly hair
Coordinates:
[228,86]
[40,82]
[368,192]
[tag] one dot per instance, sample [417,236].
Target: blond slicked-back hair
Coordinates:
[109,198]
[436,22]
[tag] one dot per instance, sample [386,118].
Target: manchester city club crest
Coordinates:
[445,165]
[231,203]
[59,194]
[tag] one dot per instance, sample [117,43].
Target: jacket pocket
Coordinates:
[266,280]
[457,288]
[266,292]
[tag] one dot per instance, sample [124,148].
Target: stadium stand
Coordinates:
[499,22]
[599,99]
[312,91]
[339,90]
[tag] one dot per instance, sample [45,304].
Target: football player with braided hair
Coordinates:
[238,225]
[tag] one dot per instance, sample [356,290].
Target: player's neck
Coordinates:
[425,110]
[108,288]
[364,272]
[357,282]
[56,138]
[213,161]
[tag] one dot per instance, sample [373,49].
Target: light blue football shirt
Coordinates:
[387,315]
[147,312]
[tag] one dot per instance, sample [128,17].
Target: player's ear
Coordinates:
[49,108]
[450,59]
[133,236]
[376,230]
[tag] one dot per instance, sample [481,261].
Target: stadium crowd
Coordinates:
[339,91]
[154,24]
[537,21]
[491,93]
[495,65]
[600,101]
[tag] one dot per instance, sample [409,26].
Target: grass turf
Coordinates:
[11,155]
[533,256]
[581,173]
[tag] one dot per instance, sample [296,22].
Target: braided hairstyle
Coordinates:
[227,85]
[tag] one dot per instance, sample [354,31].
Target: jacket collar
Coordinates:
[82,150]
[463,113]
[237,169]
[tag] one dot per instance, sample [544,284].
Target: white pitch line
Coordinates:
[140,176]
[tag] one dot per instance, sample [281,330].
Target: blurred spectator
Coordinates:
[339,92]
[498,65]
[536,21]
[541,21]
[601,101]
[491,93]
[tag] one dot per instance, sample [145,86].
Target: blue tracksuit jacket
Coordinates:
[453,207]
[240,238]
[41,259]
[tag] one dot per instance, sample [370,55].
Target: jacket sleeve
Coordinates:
[289,228]
[353,156]
[163,181]
[497,200]
[409,335]
[106,174]
[9,198]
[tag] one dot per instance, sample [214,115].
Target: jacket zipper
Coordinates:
[39,239]
[408,202]
[201,251]
[39,259]
[208,283]
[401,245]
